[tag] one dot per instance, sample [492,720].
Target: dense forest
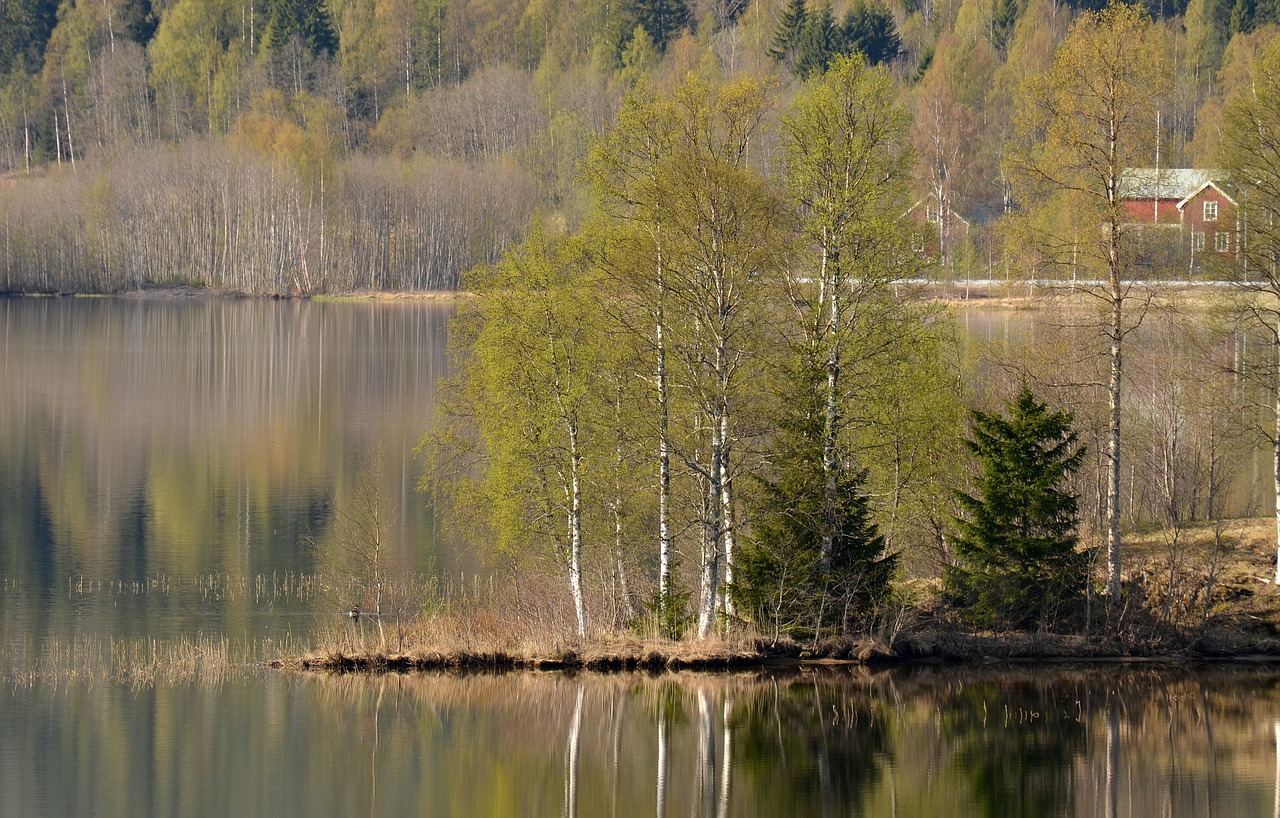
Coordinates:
[306,146]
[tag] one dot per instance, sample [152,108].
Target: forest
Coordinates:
[301,147]
[712,403]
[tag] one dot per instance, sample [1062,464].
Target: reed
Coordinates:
[137,663]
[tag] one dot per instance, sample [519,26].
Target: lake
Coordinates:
[171,468]
[932,741]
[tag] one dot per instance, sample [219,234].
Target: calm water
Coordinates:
[919,742]
[171,468]
[164,463]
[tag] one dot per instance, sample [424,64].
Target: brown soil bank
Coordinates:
[926,644]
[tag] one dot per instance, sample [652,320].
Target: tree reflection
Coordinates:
[1014,744]
[808,749]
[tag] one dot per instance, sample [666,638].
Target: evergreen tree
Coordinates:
[306,19]
[870,30]
[1003,20]
[661,19]
[25,27]
[786,37]
[817,43]
[782,580]
[1018,563]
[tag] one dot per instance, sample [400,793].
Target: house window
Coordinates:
[931,215]
[1197,241]
[1222,241]
[1211,211]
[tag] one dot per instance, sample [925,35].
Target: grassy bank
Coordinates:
[1202,592]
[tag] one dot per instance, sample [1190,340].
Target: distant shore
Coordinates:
[977,295]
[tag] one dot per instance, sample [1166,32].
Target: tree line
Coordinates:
[712,402]
[305,96]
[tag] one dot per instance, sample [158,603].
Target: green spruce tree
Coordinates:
[786,37]
[661,19]
[783,581]
[1003,20]
[817,43]
[306,19]
[1016,548]
[869,29]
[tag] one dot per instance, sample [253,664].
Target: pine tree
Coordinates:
[782,580]
[306,19]
[786,37]
[1018,563]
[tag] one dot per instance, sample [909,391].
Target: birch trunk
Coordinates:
[1275,447]
[665,547]
[831,423]
[727,512]
[575,530]
[1113,384]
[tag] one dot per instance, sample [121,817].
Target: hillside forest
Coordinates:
[310,146]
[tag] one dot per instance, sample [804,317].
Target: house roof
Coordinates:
[1177,184]
[1197,191]
[954,214]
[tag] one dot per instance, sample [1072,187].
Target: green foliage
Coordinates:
[1251,151]
[787,35]
[869,28]
[783,581]
[661,19]
[308,20]
[1003,20]
[25,26]
[1016,543]
[818,42]
[638,58]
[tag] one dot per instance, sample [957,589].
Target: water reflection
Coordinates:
[148,443]
[916,742]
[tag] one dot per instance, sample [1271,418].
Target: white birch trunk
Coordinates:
[575,530]
[665,546]
[831,421]
[1116,294]
[726,509]
[1276,459]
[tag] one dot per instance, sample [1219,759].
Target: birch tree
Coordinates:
[847,175]
[1251,153]
[695,236]
[627,170]
[527,378]
[1084,122]
[726,222]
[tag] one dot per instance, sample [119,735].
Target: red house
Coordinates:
[1195,205]
[938,230]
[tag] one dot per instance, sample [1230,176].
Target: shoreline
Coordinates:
[987,295]
[925,648]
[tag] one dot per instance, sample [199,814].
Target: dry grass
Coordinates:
[138,663]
